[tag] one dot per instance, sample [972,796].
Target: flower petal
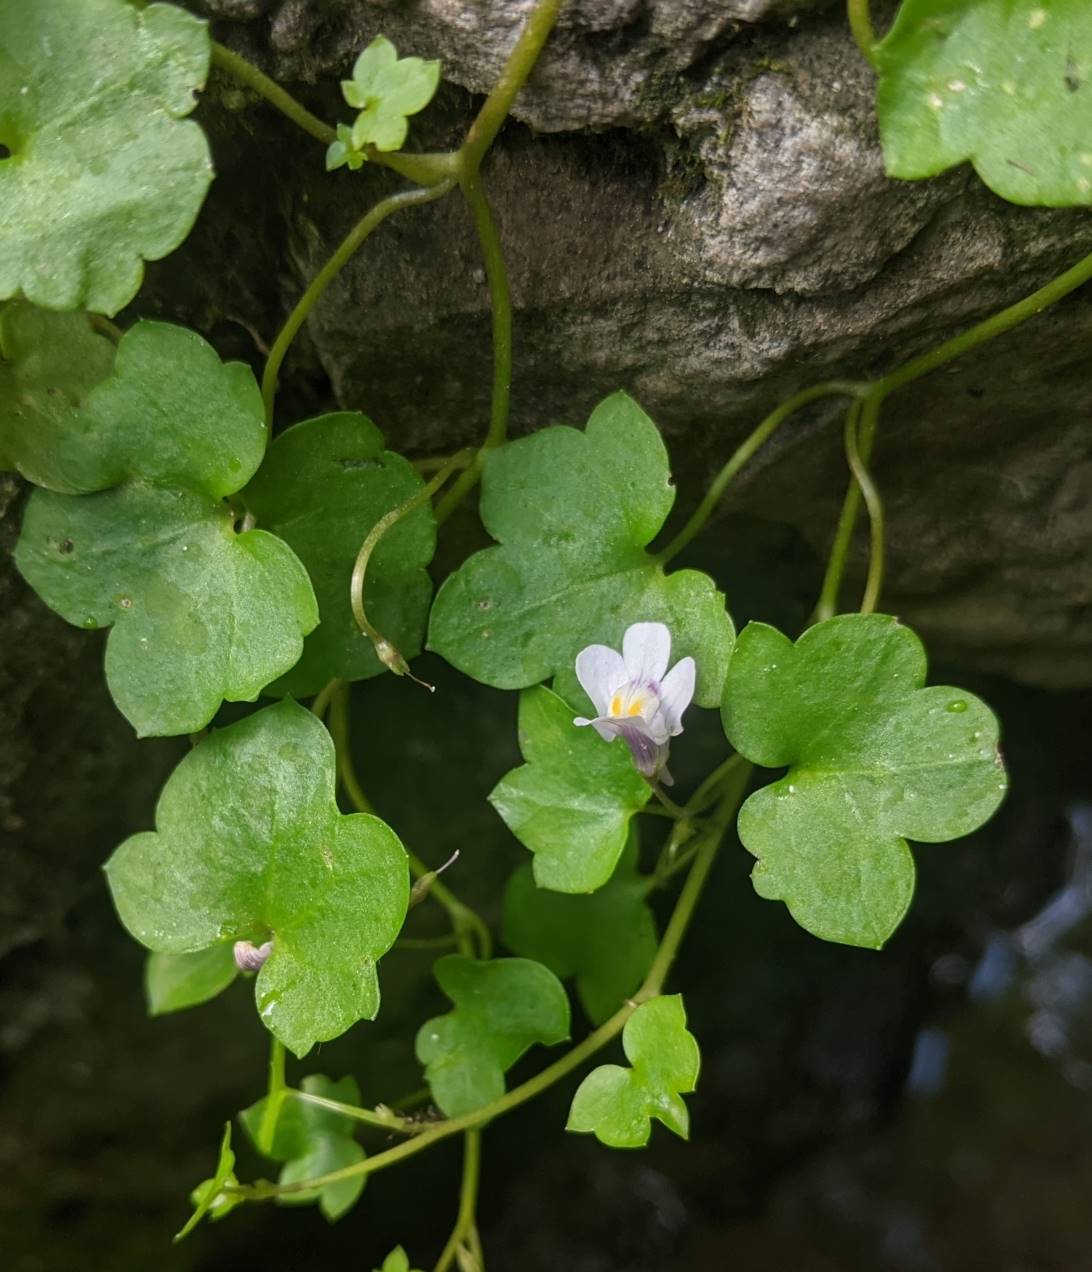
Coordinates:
[649,755]
[646,649]
[601,672]
[676,691]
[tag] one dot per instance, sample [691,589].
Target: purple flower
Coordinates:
[250,957]
[636,698]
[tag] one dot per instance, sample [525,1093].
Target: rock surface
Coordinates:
[707,224]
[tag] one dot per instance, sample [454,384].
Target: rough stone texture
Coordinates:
[727,240]
[609,62]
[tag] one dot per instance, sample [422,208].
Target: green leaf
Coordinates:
[1003,83]
[313,1141]
[209,1197]
[104,171]
[606,940]
[617,1104]
[342,152]
[49,363]
[200,613]
[573,513]
[322,487]
[175,981]
[875,759]
[386,89]
[501,1008]
[396,1261]
[571,803]
[250,846]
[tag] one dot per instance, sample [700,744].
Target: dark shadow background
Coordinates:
[927,1107]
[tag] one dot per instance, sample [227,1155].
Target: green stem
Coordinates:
[858,465]
[860,23]
[466,924]
[321,700]
[326,275]
[338,725]
[500,300]
[370,1117]
[386,652]
[275,1097]
[676,810]
[653,985]
[521,62]
[423,170]
[989,329]
[996,325]
[827,604]
[465,1222]
[246,73]
[702,513]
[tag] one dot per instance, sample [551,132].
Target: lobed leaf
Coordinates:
[572,802]
[93,99]
[175,981]
[250,845]
[617,1104]
[49,363]
[311,1141]
[607,941]
[387,88]
[502,1007]
[1005,84]
[573,513]
[875,759]
[321,488]
[200,612]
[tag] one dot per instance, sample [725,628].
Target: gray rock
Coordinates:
[714,231]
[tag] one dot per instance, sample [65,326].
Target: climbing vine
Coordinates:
[234,565]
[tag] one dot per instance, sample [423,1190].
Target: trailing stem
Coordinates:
[860,23]
[704,856]
[387,654]
[464,1236]
[468,928]
[326,275]
[762,434]
[878,392]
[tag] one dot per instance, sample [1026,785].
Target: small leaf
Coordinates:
[501,1008]
[49,363]
[104,170]
[209,1197]
[322,487]
[396,1261]
[1003,83]
[342,152]
[199,612]
[250,845]
[313,1141]
[875,759]
[386,88]
[606,940]
[571,803]
[573,513]
[175,981]
[617,1104]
